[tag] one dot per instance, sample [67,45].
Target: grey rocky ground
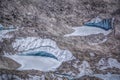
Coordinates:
[53,19]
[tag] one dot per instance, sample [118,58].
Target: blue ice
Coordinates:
[40,53]
[105,24]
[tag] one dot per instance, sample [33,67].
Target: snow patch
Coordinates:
[110,63]
[85,31]
[3,34]
[92,54]
[108,76]
[84,69]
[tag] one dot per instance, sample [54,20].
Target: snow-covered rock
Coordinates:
[84,69]
[110,63]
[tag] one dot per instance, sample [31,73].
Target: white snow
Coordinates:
[92,54]
[31,44]
[108,76]
[86,30]
[3,34]
[110,63]
[35,62]
[84,69]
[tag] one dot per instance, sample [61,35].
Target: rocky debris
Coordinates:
[7,63]
[54,16]
[28,75]
[52,19]
[117,28]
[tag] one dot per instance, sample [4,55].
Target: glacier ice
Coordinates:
[39,54]
[34,44]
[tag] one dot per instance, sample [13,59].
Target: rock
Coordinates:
[117,31]
[6,63]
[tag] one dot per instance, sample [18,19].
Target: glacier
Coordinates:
[39,54]
[35,44]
